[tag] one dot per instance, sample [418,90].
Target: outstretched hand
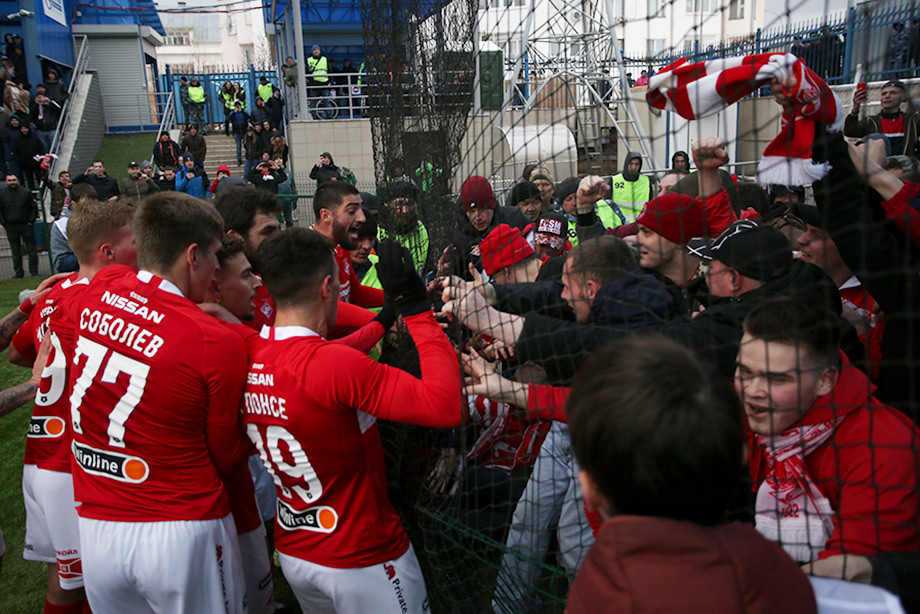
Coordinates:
[401,284]
[463,302]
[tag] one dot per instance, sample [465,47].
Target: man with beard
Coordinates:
[399,221]
[250,214]
[541,177]
[337,207]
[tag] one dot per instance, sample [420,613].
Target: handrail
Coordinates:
[79,68]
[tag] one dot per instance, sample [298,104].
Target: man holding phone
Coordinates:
[106,187]
[901,128]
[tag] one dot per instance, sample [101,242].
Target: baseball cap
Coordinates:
[525,190]
[503,247]
[676,217]
[476,193]
[754,250]
[894,83]
[550,230]
[133,165]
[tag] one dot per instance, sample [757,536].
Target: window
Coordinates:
[177,36]
[702,6]
[736,9]
[514,49]
[655,8]
[654,47]
[231,24]
[620,8]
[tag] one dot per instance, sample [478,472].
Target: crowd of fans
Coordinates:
[694,390]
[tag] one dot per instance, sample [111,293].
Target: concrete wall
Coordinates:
[747,126]
[486,150]
[348,140]
[84,129]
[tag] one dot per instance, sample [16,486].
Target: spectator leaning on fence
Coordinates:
[835,471]
[901,128]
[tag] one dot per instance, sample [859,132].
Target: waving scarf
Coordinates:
[704,88]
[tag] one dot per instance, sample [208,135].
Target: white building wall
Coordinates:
[670,27]
[216,39]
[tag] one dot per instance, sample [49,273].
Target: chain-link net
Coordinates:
[495,112]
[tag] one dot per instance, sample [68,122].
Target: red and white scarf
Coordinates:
[704,88]
[790,509]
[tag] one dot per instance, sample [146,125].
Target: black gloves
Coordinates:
[387,315]
[401,284]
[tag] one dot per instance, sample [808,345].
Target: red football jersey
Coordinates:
[264,309]
[156,384]
[302,407]
[48,440]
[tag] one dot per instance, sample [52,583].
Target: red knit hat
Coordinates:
[503,247]
[676,217]
[476,193]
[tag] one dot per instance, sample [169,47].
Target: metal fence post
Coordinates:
[252,85]
[848,45]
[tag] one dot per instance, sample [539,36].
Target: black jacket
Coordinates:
[467,238]
[50,114]
[322,174]
[268,182]
[17,206]
[253,147]
[260,114]
[56,91]
[714,334]
[165,184]
[275,107]
[106,187]
[167,154]
[628,305]
[195,145]
[26,148]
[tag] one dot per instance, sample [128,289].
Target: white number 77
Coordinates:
[117,363]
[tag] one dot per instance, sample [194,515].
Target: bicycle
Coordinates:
[324,106]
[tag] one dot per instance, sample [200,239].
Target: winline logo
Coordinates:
[43,427]
[113,465]
[322,519]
